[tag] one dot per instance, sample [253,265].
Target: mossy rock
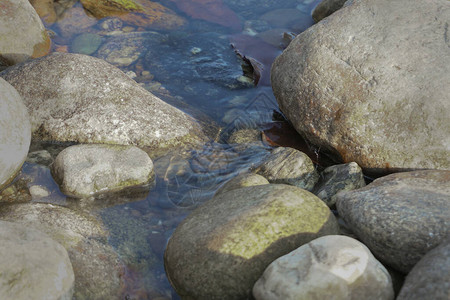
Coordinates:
[223,247]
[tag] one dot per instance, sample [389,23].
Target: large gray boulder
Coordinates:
[33,266]
[23,34]
[223,247]
[87,100]
[430,277]
[15,132]
[329,267]
[97,267]
[368,84]
[400,217]
[85,170]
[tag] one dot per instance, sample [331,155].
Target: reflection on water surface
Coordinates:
[209,58]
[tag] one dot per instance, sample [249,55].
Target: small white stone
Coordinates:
[39,191]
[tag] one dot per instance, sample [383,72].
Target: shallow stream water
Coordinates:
[216,68]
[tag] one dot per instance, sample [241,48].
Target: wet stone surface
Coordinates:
[201,62]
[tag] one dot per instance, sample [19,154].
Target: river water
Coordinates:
[217,68]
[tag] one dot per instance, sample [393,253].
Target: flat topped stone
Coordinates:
[74,97]
[85,170]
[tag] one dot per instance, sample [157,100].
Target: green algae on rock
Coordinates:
[86,43]
[140,13]
[223,247]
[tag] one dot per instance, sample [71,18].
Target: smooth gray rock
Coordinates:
[223,247]
[344,177]
[15,133]
[326,8]
[371,95]
[329,267]
[86,100]
[33,265]
[289,166]
[240,181]
[97,267]
[85,170]
[400,217]
[430,277]
[23,34]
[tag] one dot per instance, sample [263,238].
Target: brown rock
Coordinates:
[370,95]
[140,13]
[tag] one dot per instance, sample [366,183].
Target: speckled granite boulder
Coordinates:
[33,265]
[430,277]
[289,166]
[330,267]
[400,217]
[223,247]
[15,133]
[86,100]
[85,170]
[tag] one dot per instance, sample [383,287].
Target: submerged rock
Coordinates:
[368,95]
[329,267]
[142,13]
[33,265]
[86,100]
[15,133]
[23,34]
[223,247]
[124,49]
[86,43]
[252,9]
[400,217]
[195,64]
[74,21]
[85,170]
